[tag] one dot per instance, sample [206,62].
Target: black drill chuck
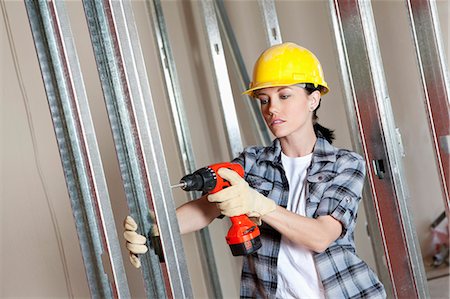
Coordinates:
[203,180]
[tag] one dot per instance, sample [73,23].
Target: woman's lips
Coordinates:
[276,122]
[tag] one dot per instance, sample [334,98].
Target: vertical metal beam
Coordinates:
[253,108]
[138,143]
[221,78]
[366,92]
[434,75]
[353,121]
[179,119]
[271,25]
[78,147]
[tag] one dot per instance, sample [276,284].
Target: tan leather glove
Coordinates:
[239,198]
[135,242]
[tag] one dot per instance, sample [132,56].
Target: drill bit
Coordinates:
[180,185]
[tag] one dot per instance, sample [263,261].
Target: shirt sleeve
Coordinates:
[341,198]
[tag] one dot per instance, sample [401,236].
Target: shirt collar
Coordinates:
[273,152]
[323,151]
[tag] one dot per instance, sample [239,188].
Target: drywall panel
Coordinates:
[40,253]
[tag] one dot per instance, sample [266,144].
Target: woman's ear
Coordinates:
[314,98]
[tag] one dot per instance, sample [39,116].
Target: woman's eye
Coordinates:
[263,101]
[284,96]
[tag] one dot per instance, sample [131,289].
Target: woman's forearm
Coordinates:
[314,234]
[195,215]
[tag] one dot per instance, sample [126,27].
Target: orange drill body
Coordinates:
[243,235]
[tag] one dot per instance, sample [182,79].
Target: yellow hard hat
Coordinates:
[287,64]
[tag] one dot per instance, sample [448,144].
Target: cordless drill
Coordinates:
[243,235]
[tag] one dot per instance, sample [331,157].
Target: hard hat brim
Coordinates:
[278,84]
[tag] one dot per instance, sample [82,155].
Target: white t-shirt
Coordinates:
[297,274]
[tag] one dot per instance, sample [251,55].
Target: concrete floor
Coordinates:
[439,282]
[439,288]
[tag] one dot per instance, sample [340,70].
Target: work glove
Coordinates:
[240,198]
[135,242]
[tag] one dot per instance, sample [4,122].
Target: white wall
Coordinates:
[39,252]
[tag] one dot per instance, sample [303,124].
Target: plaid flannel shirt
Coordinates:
[335,180]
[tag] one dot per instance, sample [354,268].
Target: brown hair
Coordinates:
[326,133]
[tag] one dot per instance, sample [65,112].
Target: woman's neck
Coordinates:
[298,146]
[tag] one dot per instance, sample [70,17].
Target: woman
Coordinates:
[303,191]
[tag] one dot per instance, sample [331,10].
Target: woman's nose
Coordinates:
[273,108]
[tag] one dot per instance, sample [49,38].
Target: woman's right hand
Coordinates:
[135,242]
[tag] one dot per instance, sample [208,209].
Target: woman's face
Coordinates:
[287,110]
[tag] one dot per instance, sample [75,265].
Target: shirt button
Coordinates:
[320,178]
[347,199]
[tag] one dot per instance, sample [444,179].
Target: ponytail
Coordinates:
[319,129]
[324,132]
